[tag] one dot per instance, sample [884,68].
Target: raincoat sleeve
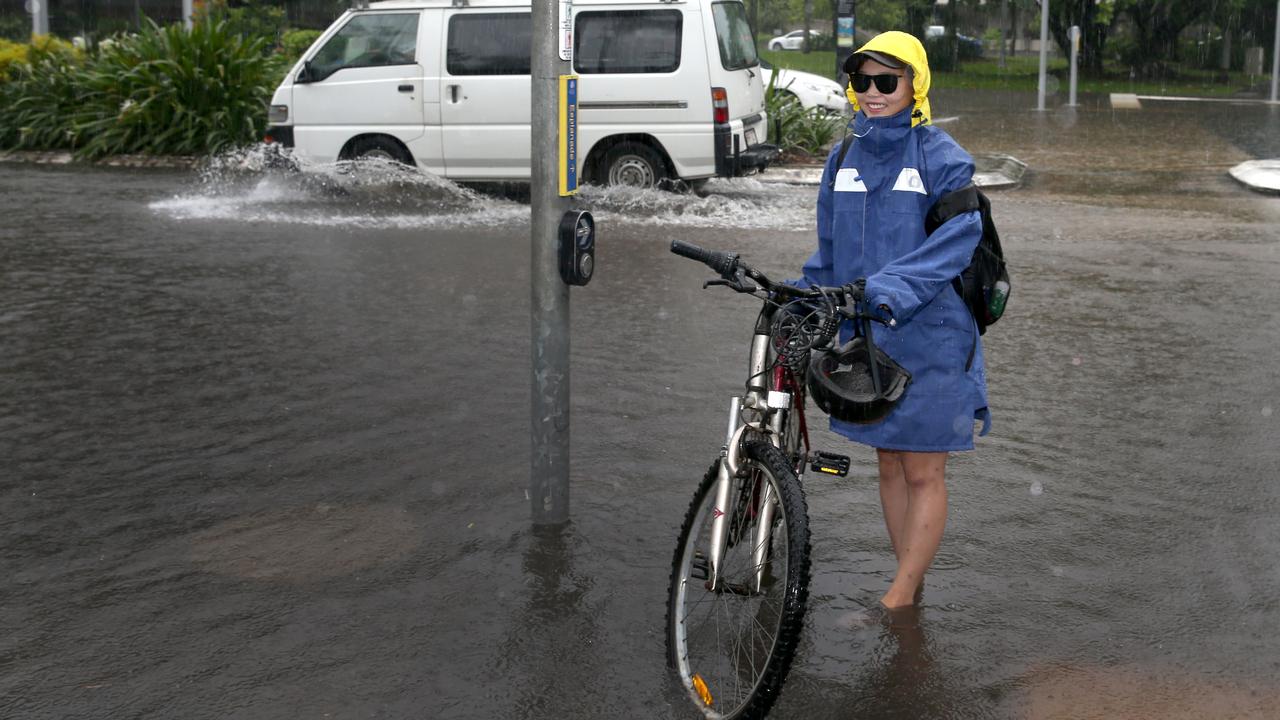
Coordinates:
[817,269]
[911,281]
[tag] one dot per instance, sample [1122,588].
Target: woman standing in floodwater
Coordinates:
[871,219]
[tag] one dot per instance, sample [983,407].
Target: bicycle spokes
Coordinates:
[732,634]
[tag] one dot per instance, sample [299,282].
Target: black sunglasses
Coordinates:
[885,83]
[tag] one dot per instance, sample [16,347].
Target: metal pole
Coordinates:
[1275,55]
[39,16]
[549,476]
[1074,35]
[1044,53]
[188,10]
[1004,28]
[846,40]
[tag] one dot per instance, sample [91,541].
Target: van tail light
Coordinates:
[719,105]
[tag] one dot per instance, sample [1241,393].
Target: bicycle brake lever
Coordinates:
[735,285]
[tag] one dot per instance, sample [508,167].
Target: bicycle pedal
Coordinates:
[829,463]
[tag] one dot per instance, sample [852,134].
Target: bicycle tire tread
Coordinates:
[796,594]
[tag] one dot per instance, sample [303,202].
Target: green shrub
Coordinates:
[792,127]
[942,54]
[162,91]
[169,91]
[41,95]
[296,42]
[11,53]
[251,19]
[15,27]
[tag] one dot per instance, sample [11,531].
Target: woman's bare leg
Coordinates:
[916,529]
[893,498]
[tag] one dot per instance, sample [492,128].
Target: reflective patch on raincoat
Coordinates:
[871,224]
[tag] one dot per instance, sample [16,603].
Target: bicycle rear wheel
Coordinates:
[732,645]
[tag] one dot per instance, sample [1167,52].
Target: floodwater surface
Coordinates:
[264,445]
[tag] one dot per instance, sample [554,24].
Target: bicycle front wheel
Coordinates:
[732,643]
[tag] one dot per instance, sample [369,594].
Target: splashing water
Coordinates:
[719,202]
[260,184]
[263,184]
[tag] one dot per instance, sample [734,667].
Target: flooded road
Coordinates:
[264,445]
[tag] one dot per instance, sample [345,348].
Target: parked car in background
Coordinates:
[970,47]
[809,89]
[793,40]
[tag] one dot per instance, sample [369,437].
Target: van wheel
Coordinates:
[379,148]
[634,165]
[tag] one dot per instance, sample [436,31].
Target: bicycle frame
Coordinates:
[770,399]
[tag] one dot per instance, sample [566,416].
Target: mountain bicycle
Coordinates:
[740,576]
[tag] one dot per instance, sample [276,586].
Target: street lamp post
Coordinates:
[1275,56]
[39,16]
[1074,35]
[1044,53]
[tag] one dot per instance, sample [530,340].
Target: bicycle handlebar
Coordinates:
[731,267]
[724,264]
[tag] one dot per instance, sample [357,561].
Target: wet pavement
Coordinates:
[264,445]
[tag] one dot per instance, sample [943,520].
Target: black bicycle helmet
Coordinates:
[848,385]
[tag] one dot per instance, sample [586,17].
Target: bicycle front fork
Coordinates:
[726,507]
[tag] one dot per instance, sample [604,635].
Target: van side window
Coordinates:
[489,44]
[627,41]
[737,48]
[373,40]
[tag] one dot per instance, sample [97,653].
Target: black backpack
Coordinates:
[984,285]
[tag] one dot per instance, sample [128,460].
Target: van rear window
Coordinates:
[737,49]
[489,44]
[627,41]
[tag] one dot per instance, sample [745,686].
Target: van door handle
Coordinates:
[453,93]
[405,88]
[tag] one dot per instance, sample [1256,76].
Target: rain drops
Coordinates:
[1077,361]
[1266,411]
[1037,489]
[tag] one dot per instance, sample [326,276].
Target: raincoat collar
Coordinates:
[882,135]
[909,50]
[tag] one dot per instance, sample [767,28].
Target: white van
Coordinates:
[667,89]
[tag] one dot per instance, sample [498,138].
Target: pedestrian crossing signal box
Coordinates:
[577,247]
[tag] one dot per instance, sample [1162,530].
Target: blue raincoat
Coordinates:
[871,214]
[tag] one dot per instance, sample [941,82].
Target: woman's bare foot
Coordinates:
[893,602]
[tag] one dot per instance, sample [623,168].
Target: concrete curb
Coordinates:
[1258,175]
[65,158]
[793,174]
